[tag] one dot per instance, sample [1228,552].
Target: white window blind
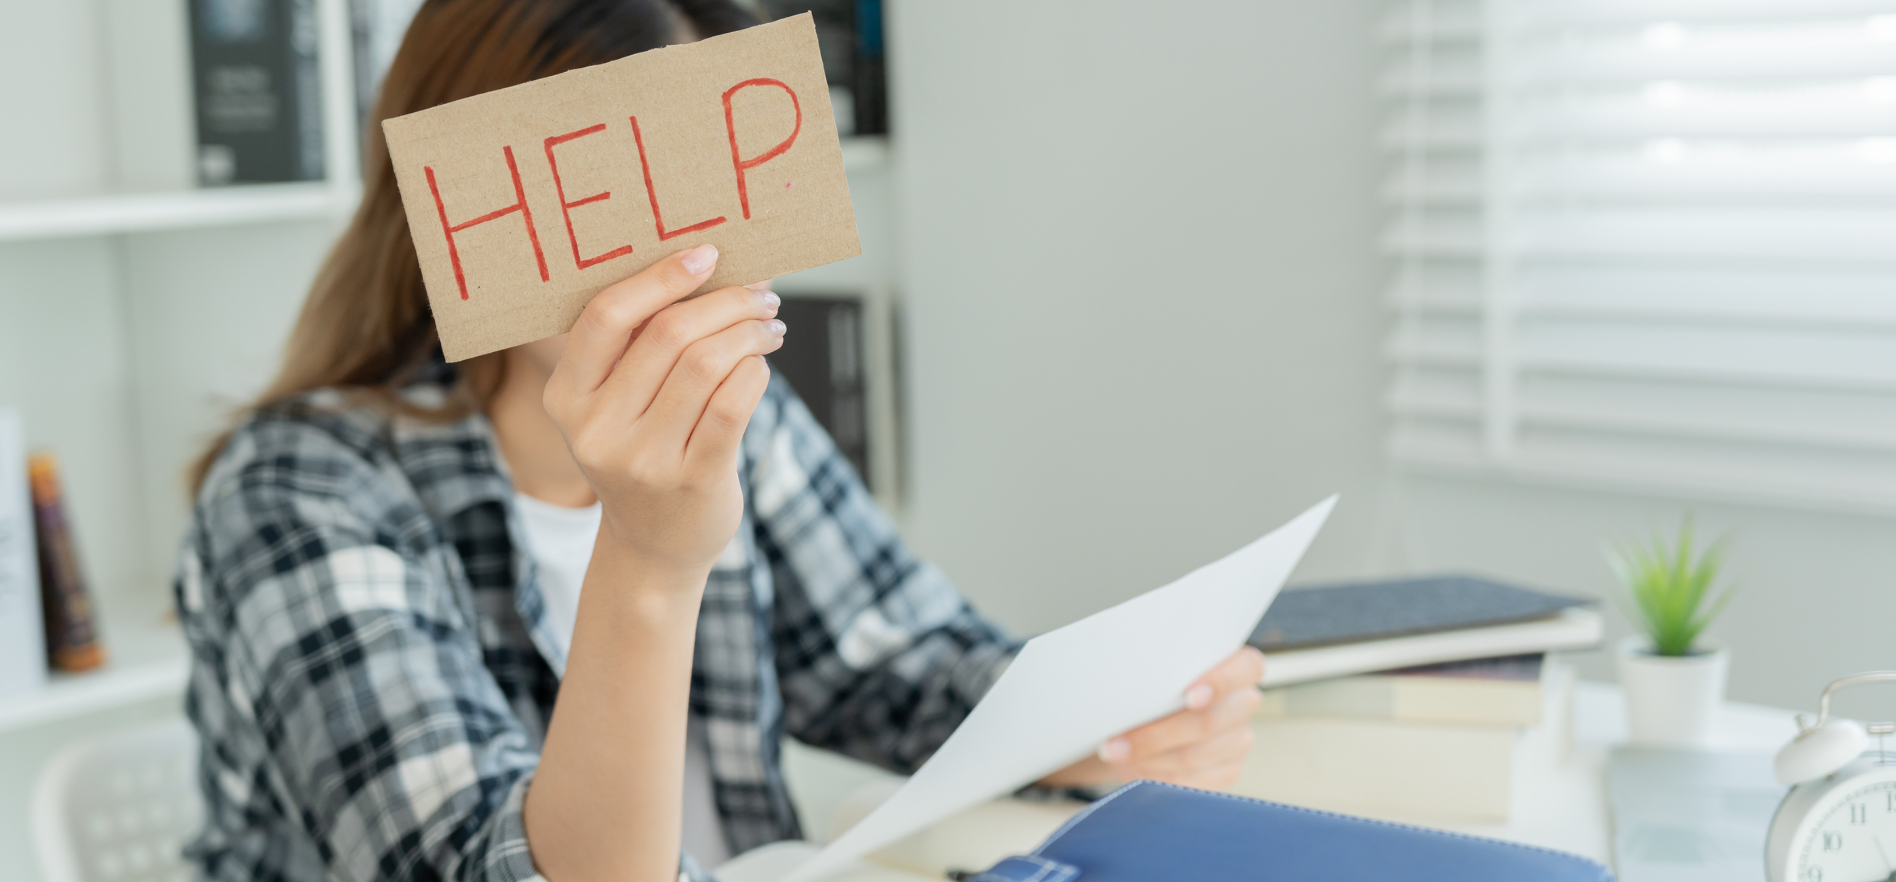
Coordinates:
[1646,243]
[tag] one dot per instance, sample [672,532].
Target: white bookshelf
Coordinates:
[233,206]
[135,310]
[102,284]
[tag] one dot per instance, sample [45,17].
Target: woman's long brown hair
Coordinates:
[366,326]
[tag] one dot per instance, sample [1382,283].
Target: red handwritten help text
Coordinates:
[566,208]
[520,205]
[658,219]
[740,166]
[738,162]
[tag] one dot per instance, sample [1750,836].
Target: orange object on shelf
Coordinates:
[72,633]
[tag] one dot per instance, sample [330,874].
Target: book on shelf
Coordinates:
[72,633]
[1428,772]
[1482,692]
[850,37]
[257,89]
[824,364]
[378,27]
[1364,627]
[869,78]
[22,629]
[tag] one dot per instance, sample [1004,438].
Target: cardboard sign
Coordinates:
[523,203]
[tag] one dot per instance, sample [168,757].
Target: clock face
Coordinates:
[1853,837]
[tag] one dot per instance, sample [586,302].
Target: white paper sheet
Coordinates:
[1073,688]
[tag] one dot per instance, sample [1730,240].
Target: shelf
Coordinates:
[865,153]
[256,203]
[146,662]
[145,212]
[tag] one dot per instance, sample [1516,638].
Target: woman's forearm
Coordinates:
[606,801]
[652,396]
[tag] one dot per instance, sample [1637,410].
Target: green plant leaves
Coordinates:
[1669,590]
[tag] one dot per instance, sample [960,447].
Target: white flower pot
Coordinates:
[1671,701]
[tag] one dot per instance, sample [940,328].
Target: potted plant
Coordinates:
[1674,682]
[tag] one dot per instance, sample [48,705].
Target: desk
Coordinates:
[1561,805]
[1564,807]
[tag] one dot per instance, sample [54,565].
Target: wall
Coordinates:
[1141,315]
[1143,325]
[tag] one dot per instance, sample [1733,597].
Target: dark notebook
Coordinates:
[1148,831]
[1355,612]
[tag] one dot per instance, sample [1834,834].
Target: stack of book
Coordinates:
[1415,700]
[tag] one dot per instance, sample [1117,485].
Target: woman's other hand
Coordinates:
[653,396]
[1202,746]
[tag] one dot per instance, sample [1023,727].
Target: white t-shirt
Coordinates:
[561,541]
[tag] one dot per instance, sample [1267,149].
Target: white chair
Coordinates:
[119,808]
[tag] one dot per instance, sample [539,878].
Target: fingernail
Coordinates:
[1198,696]
[699,260]
[775,327]
[1115,750]
[772,301]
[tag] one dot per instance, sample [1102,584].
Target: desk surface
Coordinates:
[1564,806]
[1559,805]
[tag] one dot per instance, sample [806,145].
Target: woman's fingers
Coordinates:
[1241,669]
[1222,752]
[714,441]
[1212,763]
[700,370]
[1205,743]
[606,326]
[655,354]
[1185,728]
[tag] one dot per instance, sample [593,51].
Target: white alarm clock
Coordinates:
[1838,823]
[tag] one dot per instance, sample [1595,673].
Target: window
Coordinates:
[1648,244]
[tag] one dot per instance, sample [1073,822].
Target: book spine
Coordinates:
[72,636]
[378,27]
[306,68]
[1408,698]
[22,630]
[825,367]
[869,71]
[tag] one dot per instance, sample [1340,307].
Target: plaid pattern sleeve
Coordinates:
[351,729]
[877,654]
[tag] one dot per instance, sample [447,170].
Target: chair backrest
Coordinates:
[119,808]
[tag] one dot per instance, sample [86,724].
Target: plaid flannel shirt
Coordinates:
[372,674]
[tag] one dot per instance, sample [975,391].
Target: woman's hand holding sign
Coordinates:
[653,395]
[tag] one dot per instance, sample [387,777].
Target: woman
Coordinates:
[382,586]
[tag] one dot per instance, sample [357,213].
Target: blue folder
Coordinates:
[1151,832]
